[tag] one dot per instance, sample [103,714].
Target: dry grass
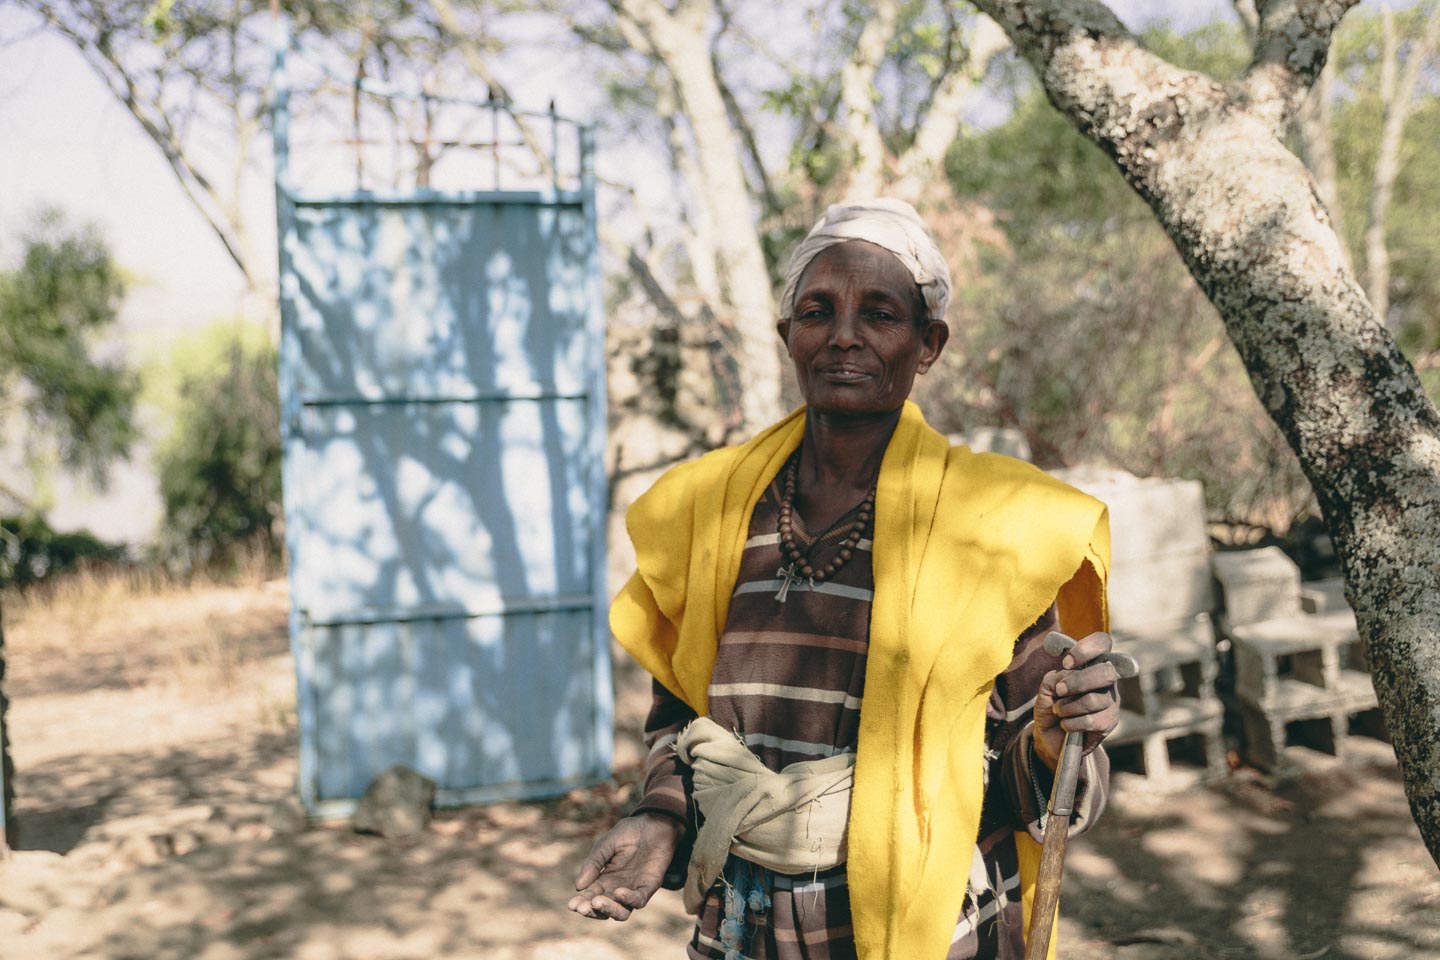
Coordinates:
[142,627]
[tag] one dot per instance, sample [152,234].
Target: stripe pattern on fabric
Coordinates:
[789,680]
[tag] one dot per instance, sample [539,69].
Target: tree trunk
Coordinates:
[920,165]
[1244,214]
[7,769]
[857,92]
[1397,92]
[679,39]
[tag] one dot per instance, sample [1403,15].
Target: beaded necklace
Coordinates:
[798,568]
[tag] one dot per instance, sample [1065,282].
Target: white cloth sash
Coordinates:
[792,821]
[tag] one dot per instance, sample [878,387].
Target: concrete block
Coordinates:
[1161,590]
[1302,677]
[1149,518]
[1092,476]
[1323,719]
[1169,642]
[1173,715]
[1173,697]
[1177,660]
[1268,733]
[1204,725]
[1285,635]
[1256,585]
[1323,596]
[1312,651]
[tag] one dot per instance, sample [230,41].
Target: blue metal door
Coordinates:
[442,384]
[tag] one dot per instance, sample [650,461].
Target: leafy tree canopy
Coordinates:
[63,295]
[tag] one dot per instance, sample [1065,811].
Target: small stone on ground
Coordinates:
[396,804]
[287,817]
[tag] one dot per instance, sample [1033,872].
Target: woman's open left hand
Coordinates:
[1080,700]
[626,866]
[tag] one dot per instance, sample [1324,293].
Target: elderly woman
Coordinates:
[854,720]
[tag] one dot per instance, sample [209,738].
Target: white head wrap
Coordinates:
[885,222]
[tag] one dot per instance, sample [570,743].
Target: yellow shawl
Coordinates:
[970,549]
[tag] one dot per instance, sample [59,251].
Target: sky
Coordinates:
[65,141]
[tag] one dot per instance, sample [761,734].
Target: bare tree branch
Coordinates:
[764,188]
[98,52]
[19,503]
[20,38]
[952,58]
[680,42]
[696,220]
[1249,17]
[942,122]
[719,343]
[743,128]
[857,93]
[1398,93]
[1292,41]
[449,21]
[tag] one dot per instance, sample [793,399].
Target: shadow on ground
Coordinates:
[172,854]
[1325,864]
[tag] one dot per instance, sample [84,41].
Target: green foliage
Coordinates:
[65,292]
[157,18]
[1081,326]
[928,40]
[1413,232]
[31,551]
[220,469]
[1430,379]
[204,354]
[1042,177]
[1413,225]
[1218,49]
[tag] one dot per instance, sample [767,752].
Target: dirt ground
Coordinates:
[154,743]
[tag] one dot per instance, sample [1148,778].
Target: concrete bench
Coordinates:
[1298,675]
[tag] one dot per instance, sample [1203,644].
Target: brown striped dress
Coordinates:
[789,678]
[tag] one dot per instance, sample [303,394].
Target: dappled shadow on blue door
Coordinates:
[439,490]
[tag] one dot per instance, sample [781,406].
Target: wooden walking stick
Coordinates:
[1062,805]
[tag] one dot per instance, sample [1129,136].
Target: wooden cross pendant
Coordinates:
[790,576]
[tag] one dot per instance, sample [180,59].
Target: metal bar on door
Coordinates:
[499,607]
[495,396]
[532,198]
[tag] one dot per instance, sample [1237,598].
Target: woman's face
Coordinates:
[859,332]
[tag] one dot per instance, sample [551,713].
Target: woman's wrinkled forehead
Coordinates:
[892,225]
[862,262]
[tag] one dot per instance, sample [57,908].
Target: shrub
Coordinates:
[220,469]
[30,551]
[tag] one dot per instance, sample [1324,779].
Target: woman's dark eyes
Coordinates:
[880,316]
